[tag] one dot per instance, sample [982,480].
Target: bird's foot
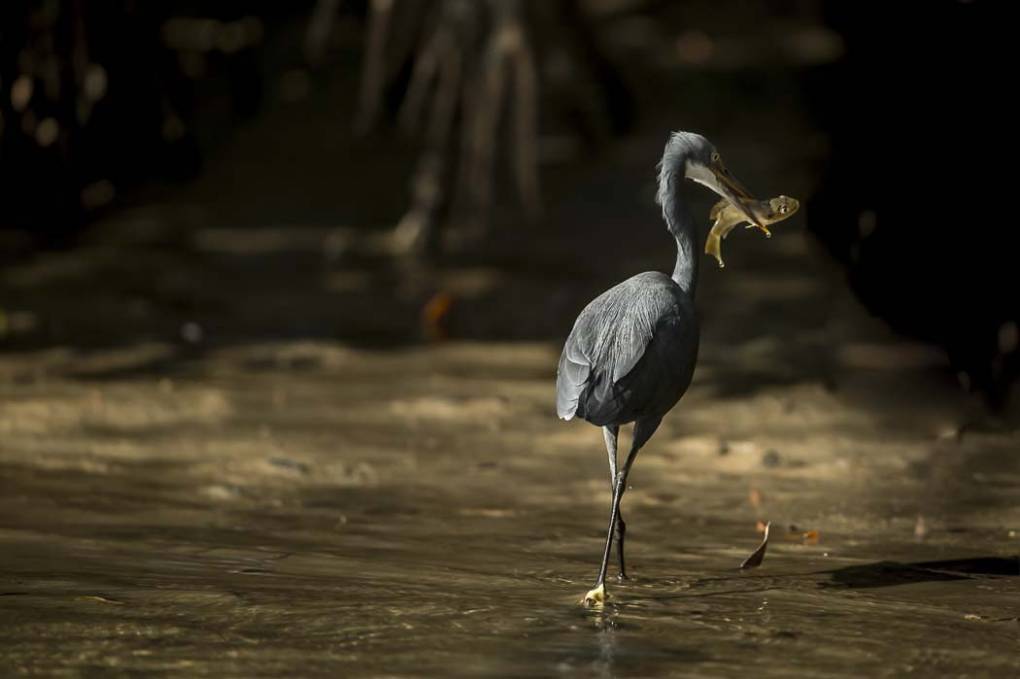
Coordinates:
[595,597]
[622,577]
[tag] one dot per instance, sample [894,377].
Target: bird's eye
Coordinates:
[715,157]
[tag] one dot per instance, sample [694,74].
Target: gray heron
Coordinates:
[631,353]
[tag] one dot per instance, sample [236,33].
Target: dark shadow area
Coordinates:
[891,573]
[928,267]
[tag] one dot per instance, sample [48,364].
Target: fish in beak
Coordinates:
[726,218]
[716,177]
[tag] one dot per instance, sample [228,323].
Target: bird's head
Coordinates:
[703,164]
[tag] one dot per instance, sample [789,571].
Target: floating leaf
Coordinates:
[758,555]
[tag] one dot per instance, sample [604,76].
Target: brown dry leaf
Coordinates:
[755,497]
[805,537]
[758,555]
[435,314]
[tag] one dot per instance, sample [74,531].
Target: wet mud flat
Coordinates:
[313,508]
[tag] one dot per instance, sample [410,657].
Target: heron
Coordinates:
[631,353]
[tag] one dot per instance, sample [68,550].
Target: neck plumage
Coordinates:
[679,222]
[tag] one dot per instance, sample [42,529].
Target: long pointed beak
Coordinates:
[734,191]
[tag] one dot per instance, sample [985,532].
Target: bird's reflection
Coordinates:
[605,623]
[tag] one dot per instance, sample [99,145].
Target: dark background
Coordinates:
[126,126]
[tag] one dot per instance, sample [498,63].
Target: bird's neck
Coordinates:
[681,225]
[685,271]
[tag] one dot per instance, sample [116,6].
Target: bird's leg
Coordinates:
[597,594]
[621,531]
[643,431]
[611,434]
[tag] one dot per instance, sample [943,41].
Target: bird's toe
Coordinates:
[594,597]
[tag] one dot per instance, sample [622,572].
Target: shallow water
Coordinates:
[281,510]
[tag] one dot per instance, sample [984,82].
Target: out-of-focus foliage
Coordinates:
[99,95]
[476,69]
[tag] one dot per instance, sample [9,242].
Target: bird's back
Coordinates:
[630,354]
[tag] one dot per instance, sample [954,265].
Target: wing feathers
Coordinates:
[608,340]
